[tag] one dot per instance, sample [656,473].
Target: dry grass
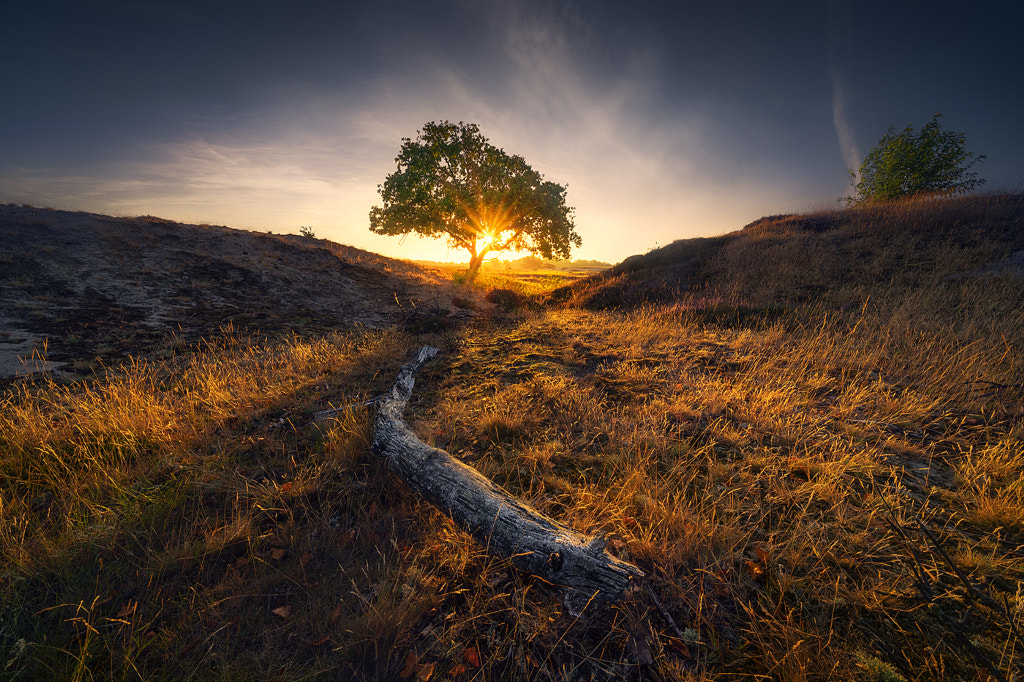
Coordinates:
[827,489]
[770,482]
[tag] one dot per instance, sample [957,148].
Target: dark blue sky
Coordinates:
[666,120]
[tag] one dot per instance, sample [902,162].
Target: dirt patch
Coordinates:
[93,288]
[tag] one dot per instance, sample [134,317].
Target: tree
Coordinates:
[908,163]
[451,182]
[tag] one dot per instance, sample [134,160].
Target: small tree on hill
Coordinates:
[932,161]
[451,182]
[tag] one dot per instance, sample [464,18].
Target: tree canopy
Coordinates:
[931,161]
[452,183]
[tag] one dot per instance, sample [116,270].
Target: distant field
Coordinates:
[548,279]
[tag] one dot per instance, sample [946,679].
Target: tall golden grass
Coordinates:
[822,486]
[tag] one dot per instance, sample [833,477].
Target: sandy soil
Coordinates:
[83,290]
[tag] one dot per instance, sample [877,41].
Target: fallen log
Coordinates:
[506,527]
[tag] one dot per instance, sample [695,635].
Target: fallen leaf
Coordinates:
[318,642]
[679,646]
[762,555]
[305,558]
[278,553]
[286,487]
[127,609]
[192,646]
[458,669]
[346,537]
[641,649]
[630,522]
[412,662]
[753,569]
[424,672]
[334,614]
[472,657]
[283,611]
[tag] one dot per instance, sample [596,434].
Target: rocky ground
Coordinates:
[79,290]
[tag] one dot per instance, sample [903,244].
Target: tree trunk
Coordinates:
[507,528]
[475,261]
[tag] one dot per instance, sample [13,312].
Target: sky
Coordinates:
[666,120]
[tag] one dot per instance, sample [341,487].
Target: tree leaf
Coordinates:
[283,611]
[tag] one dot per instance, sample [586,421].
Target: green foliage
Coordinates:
[910,163]
[451,182]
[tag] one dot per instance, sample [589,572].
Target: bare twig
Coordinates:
[971,589]
[664,613]
[928,593]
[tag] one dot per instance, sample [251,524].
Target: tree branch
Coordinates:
[509,529]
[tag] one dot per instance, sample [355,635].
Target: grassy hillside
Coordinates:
[831,256]
[806,433]
[921,271]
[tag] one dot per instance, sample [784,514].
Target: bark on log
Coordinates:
[507,528]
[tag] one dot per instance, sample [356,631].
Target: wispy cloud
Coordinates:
[839,21]
[847,141]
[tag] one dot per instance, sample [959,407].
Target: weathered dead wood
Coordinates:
[507,528]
